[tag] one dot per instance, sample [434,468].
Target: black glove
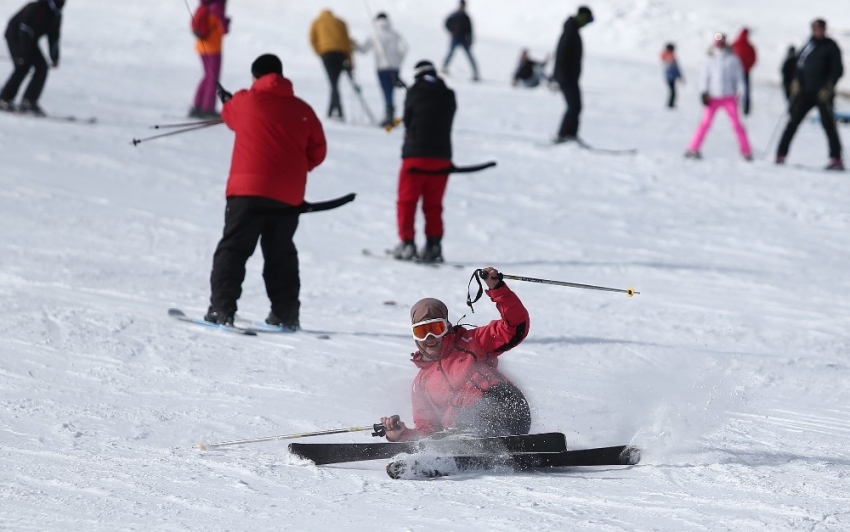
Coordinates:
[705,99]
[223,95]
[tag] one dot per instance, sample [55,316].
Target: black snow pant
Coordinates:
[671,101]
[25,60]
[246,220]
[569,125]
[501,411]
[334,65]
[801,105]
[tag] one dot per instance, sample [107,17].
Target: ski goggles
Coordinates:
[437,327]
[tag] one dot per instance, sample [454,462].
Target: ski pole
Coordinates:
[630,292]
[377,431]
[186,124]
[136,142]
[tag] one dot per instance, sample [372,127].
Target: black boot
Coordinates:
[433,251]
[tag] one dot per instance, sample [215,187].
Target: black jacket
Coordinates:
[568,55]
[460,26]
[428,114]
[819,66]
[35,20]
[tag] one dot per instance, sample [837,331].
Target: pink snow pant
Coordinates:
[730,105]
[205,96]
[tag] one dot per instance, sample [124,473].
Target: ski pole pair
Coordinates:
[479,274]
[377,429]
[184,127]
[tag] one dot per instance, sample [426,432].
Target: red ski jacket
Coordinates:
[467,366]
[278,140]
[744,50]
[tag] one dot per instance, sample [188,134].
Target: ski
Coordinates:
[181,316]
[55,118]
[332,453]
[415,467]
[388,254]
[455,169]
[585,146]
[263,327]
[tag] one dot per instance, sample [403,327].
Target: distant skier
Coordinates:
[721,82]
[747,54]
[26,27]
[672,73]
[459,26]
[390,49]
[529,73]
[789,69]
[459,385]
[278,141]
[209,26]
[568,70]
[819,68]
[428,115]
[330,40]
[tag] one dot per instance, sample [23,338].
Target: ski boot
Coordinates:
[31,108]
[405,250]
[432,252]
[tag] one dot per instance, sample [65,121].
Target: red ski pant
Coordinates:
[429,187]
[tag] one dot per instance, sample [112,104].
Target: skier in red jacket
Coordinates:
[279,140]
[747,54]
[459,385]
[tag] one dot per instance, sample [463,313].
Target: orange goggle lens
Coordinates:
[436,328]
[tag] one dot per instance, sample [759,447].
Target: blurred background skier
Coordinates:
[460,27]
[390,49]
[672,73]
[330,40]
[529,73]
[747,54]
[567,71]
[209,25]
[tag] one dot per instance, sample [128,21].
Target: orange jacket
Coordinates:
[213,43]
[330,34]
[278,140]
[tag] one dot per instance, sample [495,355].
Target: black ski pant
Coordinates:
[25,60]
[569,125]
[801,105]
[246,220]
[334,65]
[671,101]
[501,411]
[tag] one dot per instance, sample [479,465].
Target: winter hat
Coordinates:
[266,64]
[428,309]
[424,68]
[584,10]
[380,16]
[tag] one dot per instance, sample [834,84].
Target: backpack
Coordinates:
[201,22]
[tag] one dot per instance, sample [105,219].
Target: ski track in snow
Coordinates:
[729,370]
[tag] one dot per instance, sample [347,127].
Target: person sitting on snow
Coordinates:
[529,73]
[459,385]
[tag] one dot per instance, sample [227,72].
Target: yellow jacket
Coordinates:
[330,34]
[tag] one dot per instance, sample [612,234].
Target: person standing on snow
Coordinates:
[789,70]
[429,111]
[671,72]
[568,70]
[721,81]
[209,25]
[330,40]
[747,54]
[459,385]
[390,49]
[819,68]
[459,26]
[278,141]
[31,23]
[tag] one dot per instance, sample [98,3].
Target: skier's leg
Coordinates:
[39,77]
[468,49]
[569,125]
[671,101]
[501,411]
[746,93]
[386,78]
[827,119]
[410,186]
[334,63]
[434,188]
[21,59]
[242,228]
[280,266]
[730,105]
[704,125]
[454,44]
[803,102]
[212,65]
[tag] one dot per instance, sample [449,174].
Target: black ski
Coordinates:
[585,146]
[332,453]
[412,467]
[455,169]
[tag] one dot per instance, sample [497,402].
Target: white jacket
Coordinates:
[389,46]
[722,74]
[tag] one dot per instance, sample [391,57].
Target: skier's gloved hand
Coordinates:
[394,427]
[705,98]
[223,95]
[826,94]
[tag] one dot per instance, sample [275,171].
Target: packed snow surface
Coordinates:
[730,369]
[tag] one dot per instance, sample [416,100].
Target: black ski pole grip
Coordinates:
[379,430]
[484,275]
